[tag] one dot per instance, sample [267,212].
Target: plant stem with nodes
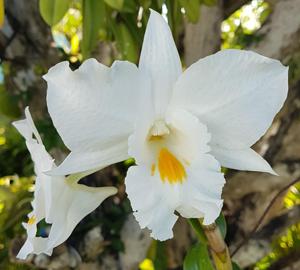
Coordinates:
[218,247]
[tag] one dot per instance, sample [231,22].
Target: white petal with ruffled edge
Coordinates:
[93,109]
[155,200]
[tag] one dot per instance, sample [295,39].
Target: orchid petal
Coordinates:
[160,61]
[153,208]
[74,202]
[84,161]
[155,200]
[59,200]
[244,159]
[93,106]
[35,245]
[235,93]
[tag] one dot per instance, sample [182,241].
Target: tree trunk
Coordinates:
[204,37]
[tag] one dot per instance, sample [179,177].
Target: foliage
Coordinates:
[52,11]
[288,242]
[1,12]
[282,246]
[239,30]
[89,22]
[15,197]
[156,257]
[197,259]
[292,198]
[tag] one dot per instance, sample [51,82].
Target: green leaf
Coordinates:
[116,4]
[194,222]
[160,260]
[145,3]
[1,13]
[198,258]
[94,20]
[209,2]
[235,266]
[160,3]
[53,11]
[157,254]
[170,4]
[221,222]
[9,104]
[125,42]
[130,6]
[192,9]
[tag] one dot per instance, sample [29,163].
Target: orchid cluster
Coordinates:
[179,126]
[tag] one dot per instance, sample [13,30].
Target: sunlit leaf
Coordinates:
[192,9]
[283,245]
[198,258]
[74,44]
[146,264]
[1,13]
[116,4]
[53,11]
[93,20]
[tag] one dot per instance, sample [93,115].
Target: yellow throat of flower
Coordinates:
[31,220]
[169,167]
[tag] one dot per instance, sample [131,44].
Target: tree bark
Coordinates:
[26,44]
[204,37]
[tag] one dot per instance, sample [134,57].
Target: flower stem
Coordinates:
[218,247]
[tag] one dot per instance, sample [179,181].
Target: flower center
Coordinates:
[158,130]
[170,168]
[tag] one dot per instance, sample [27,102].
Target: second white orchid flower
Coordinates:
[180,127]
[62,202]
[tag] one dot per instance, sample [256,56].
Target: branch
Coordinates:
[260,221]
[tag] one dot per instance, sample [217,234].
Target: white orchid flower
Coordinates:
[60,201]
[188,125]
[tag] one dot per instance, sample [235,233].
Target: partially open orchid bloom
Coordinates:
[60,201]
[180,127]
